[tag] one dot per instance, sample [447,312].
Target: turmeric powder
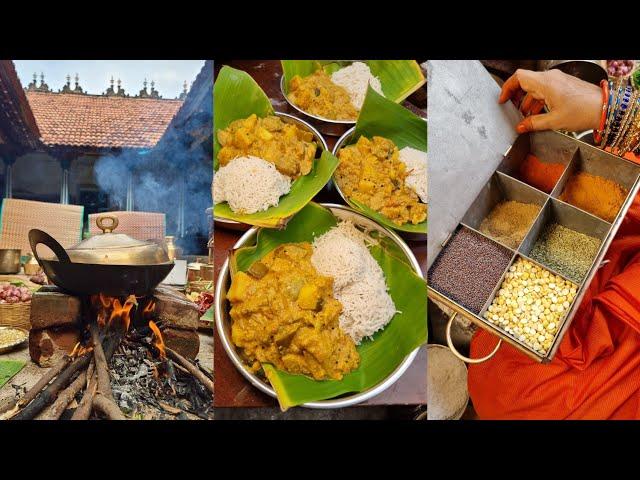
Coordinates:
[539,174]
[597,195]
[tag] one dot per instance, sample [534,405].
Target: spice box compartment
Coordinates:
[575,155]
[556,212]
[550,147]
[501,188]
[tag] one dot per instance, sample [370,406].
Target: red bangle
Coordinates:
[597,134]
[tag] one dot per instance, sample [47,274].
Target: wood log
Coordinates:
[193,370]
[83,412]
[102,367]
[108,407]
[57,408]
[48,346]
[49,394]
[44,380]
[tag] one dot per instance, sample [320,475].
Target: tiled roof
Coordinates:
[100,121]
[17,124]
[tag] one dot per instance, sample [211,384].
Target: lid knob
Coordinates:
[107,223]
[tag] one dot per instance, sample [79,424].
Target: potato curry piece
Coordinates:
[284,313]
[318,95]
[371,173]
[290,148]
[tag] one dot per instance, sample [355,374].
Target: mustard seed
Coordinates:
[469,268]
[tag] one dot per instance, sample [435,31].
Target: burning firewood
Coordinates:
[121,365]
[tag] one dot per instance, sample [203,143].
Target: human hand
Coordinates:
[574,105]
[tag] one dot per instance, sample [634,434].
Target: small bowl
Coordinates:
[341,143]
[335,128]
[459,413]
[223,319]
[9,260]
[287,118]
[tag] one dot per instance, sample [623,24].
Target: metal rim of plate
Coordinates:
[14,345]
[223,324]
[310,115]
[517,253]
[322,143]
[339,144]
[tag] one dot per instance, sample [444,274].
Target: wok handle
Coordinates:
[37,237]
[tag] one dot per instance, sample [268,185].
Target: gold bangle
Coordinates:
[631,142]
[611,114]
[630,127]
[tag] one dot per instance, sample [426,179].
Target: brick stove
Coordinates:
[57,325]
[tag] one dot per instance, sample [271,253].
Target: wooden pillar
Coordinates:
[65,163]
[9,157]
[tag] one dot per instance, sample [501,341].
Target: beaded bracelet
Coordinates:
[621,129]
[626,108]
[615,100]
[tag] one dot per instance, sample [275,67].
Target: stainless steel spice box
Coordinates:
[503,185]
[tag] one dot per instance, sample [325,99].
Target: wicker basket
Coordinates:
[16,315]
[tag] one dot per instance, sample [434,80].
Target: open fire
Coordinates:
[121,368]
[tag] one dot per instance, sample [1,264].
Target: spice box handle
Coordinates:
[458,354]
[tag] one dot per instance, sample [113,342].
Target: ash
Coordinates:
[146,386]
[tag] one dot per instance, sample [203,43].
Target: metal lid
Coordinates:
[111,248]
[469,133]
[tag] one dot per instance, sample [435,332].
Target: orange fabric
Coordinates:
[596,371]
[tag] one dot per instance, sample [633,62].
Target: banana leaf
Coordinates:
[398,78]
[8,368]
[380,355]
[237,96]
[380,117]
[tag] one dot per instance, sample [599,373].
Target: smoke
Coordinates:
[176,171]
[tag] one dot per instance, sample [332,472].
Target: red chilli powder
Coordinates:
[539,174]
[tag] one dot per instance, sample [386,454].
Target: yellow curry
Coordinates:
[371,173]
[284,313]
[290,148]
[318,95]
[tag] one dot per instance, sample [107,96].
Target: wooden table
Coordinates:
[231,389]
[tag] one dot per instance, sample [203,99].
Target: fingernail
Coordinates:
[520,128]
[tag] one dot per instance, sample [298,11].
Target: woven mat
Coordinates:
[139,225]
[62,222]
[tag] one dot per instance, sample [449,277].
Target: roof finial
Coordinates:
[143,93]
[34,84]
[43,86]
[67,87]
[110,91]
[78,88]
[154,93]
